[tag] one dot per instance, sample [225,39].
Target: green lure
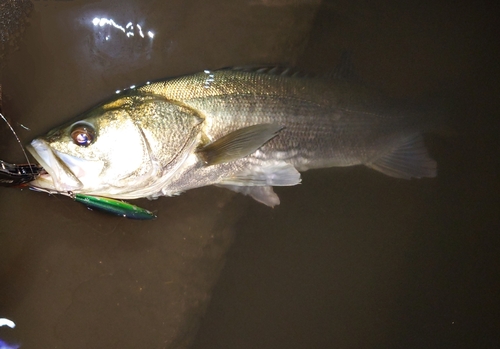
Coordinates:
[116,207]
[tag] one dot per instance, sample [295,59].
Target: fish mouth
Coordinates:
[59,177]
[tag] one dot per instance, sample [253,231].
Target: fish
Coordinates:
[244,129]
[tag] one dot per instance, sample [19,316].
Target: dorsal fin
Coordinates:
[277,70]
[345,69]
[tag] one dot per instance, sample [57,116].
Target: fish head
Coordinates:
[116,150]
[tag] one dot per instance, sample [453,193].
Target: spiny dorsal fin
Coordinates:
[343,70]
[277,70]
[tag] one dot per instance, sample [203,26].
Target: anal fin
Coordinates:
[264,195]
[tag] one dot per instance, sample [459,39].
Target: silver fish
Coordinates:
[245,130]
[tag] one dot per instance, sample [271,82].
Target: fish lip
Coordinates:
[60,177]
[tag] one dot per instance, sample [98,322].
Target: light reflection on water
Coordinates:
[7,322]
[128,30]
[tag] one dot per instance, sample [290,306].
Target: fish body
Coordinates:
[244,130]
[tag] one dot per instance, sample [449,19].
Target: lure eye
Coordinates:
[83,135]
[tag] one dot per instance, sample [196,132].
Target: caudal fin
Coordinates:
[409,159]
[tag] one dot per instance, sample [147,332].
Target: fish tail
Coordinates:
[407,159]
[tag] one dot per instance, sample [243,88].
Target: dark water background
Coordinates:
[350,259]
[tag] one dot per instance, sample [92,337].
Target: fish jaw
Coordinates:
[59,178]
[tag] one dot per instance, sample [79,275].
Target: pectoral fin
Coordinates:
[238,144]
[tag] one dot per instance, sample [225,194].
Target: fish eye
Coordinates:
[83,134]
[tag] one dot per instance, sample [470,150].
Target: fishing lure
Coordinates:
[106,205]
[112,206]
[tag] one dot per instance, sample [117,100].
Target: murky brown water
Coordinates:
[350,259]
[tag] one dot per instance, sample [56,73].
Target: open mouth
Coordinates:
[59,176]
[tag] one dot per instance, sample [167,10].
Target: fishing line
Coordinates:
[18,141]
